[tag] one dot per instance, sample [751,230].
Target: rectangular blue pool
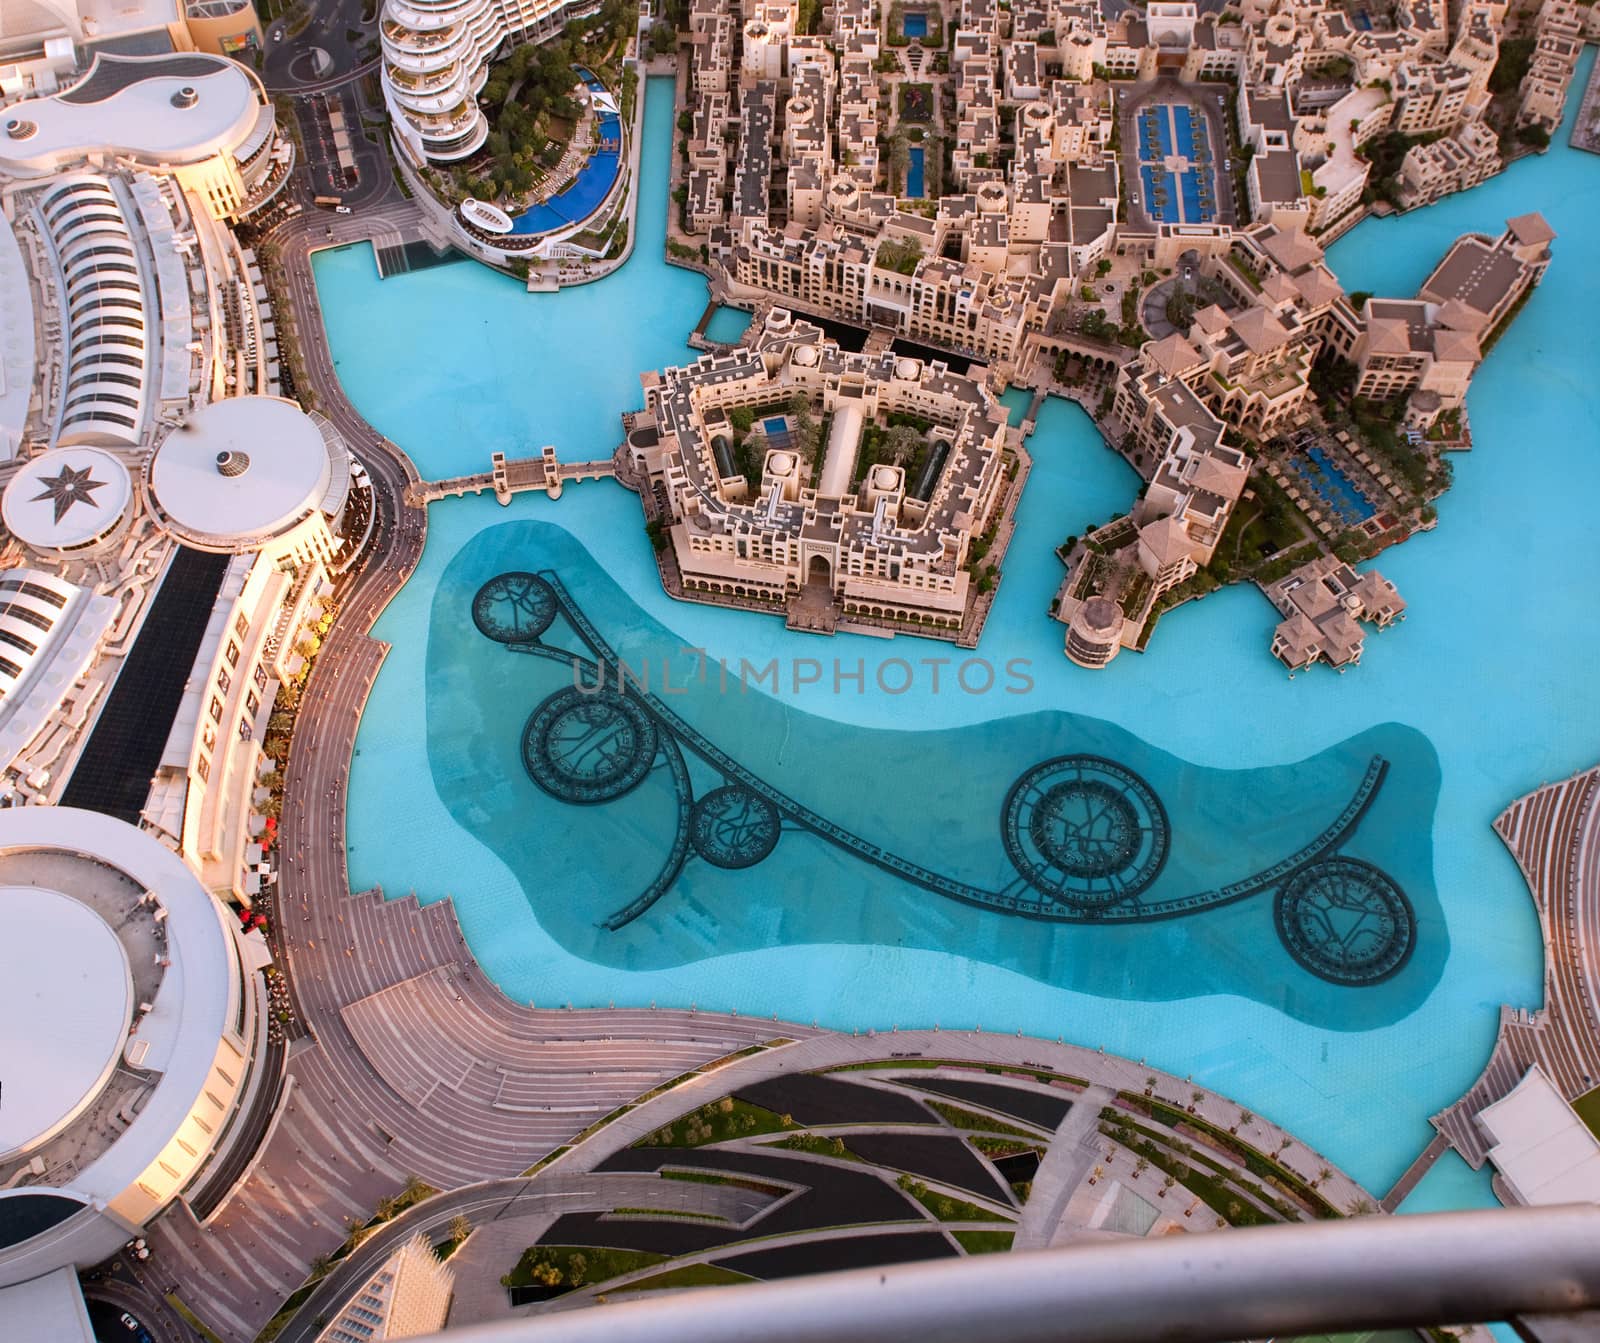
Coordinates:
[914,25]
[1160,194]
[776,425]
[1334,488]
[915,182]
[1184,198]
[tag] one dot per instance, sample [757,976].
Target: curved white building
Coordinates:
[18,353]
[51,632]
[436,60]
[110,344]
[133,1023]
[252,473]
[206,120]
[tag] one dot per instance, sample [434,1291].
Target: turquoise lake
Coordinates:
[1483,693]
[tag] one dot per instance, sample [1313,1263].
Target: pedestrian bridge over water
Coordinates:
[512,475]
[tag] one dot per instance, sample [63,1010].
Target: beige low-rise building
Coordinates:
[886,540]
[1324,603]
[1430,172]
[1194,484]
[1481,279]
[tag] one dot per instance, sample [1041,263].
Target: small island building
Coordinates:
[873,520]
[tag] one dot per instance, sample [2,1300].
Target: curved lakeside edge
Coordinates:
[1541,763]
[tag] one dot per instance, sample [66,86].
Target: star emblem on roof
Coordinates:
[68,488]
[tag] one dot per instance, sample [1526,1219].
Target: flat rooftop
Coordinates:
[176,108]
[66,991]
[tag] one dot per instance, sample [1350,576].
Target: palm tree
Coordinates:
[387,1207]
[1323,1173]
[1195,1097]
[1096,1173]
[1149,1084]
[1140,1167]
[415,1188]
[460,1227]
[1166,1184]
[1245,1120]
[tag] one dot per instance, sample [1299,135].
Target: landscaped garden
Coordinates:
[916,102]
[533,109]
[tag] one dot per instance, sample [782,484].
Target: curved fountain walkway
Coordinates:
[1554,834]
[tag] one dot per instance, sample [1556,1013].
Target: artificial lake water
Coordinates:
[1483,693]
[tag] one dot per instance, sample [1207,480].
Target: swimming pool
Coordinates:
[584,194]
[914,25]
[914,179]
[1323,475]
[1208,694]
[1186,195]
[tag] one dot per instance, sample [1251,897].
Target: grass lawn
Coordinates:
[192,1319]
[984,1242]
[944,1207]
[1588,1108]
[817,1145]
[971,1119]
[715,1177]
[1003,1147]
[578,1265]
[690,1275]
[717,1121]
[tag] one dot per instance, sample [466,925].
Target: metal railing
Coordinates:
[1265,1282]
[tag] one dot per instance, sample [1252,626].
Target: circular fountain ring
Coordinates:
[734,827]
[1346,921]
[1085,831]
[586,747]
[514,608]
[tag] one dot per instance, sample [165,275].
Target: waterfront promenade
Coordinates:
[387,994]
[508,1215]
[1554,834]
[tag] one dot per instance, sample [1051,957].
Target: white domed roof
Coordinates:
[66,497]
[241,471]
[806,355]
[885,477]
[907,368]
[782,463]
[66,993]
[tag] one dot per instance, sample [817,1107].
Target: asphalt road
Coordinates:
[287,68]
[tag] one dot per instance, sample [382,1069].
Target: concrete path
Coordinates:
[1062,1170]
